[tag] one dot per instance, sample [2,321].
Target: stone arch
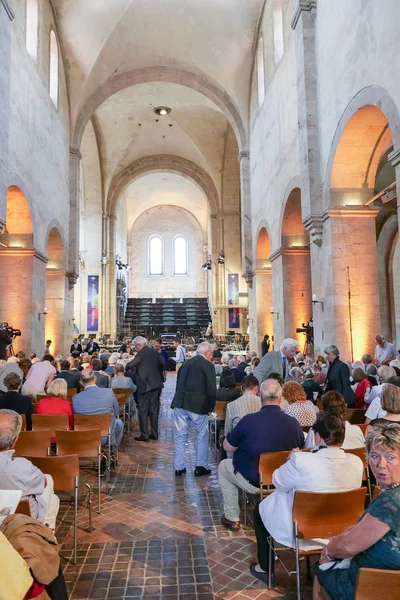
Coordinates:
[16,185]
[293,232]
[386,247]
[57,325]
[205,233]
[262,284]
[54,230]
[198,82]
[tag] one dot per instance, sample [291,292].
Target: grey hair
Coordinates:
[204,347]
[241,358]
[371,369]
[225,358]
[332,349]
[289,343]
[295,373]
[139,340]
[270,390]
[233,363]
[87,376]
[9,430]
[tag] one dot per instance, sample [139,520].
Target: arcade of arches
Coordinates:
[141,143]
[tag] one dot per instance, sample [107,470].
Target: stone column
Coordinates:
[297,291]
[245,197]
[74,196]
[260,302]
[59,319]
[6,17]
[112,286]
[278,301]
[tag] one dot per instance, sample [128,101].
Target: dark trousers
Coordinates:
[262,536]
[57,590]
[149,406]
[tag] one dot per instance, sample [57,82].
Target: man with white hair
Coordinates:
[268,430]
[277,362]
[149,367]
[194,399]
[384,351]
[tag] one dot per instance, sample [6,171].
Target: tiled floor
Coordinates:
[159,536]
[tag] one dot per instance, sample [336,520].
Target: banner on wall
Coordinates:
[234,318]
[93,303]
[233,288]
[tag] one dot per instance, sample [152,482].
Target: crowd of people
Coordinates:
[281,402]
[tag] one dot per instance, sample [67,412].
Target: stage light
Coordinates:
[221,258]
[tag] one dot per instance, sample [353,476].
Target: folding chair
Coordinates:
[102,422]
[375,584]
[23,417]
[268,463]
[123,395]
[87,445]
[71,392]
[355,416]
[65,473]
[33,443]
[319,515]
[213,422]
[51,422]
[361,453]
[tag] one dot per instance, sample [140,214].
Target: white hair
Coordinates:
[140,341]
[270,390]
[233,363]
[113,358]
[225,358]
[289,343]
[204,347]
[241,358]
[12,359]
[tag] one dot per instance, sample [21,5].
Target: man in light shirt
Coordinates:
[180,354]
[384,351]
[246,404]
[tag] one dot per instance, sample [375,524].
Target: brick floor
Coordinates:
[159,536]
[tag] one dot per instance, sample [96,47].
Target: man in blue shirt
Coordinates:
[268,430]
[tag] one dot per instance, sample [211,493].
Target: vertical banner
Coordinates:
[93,303]
[233,298]
[234,318]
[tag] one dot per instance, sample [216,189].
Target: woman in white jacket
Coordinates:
[327,468]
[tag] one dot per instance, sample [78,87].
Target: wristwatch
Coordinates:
[327,555]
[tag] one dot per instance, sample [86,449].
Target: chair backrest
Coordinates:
[122,396]
[363,427]
[23,417]
[83,443]
[355,416]
[33,443]
[71,392]
[220,409]
[269,462]
[327,514]
[23,508]
[51,422]
[377,491]
[238,385]
[375,584]
[40,397]
[102,422]
[361,453]
[63,469]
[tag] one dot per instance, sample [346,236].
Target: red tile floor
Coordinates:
[159,536]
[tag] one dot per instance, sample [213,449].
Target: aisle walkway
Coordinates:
[159,536]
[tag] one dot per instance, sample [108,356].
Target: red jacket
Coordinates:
[362,387]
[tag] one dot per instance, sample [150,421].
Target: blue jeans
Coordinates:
[117,433]
[182,421]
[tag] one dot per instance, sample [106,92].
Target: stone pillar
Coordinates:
[245,198]
[6,17]
[278,302]
[260,302]
[297,291]
[112,286]
[60,311]
[74,196]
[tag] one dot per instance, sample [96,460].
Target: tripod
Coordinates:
[308,348]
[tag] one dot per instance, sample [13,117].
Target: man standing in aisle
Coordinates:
[277,362]
[384,351]
[149,368]
[194,398]
[180,355]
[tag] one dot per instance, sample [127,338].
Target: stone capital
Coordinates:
[75,152]
[248,277]
[314,226]
[303,6]
[7,7]
[358,212]
[72,278]
[394,158]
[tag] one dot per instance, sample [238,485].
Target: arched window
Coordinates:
[180,254]
[32,28]
[53,79]
[278,30]
[260,72]
[155,255]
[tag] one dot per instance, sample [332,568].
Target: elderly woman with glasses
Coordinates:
[375,540]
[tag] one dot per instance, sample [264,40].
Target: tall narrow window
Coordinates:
[32,28]
[180,255]
[278,30]
[155,255]
[260,72]
[53,79]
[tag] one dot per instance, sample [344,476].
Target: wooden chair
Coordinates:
[51,422]
[102,422]
[363,427]
[238,385]
[306,428]
[375,584]
[213,422]
[71,392]
[123,396]
[320,515]
[65,473]
[33,443]
[39,397]
[355,416]
[23,417]
[87,445]
[23,508]
[268,463]
[361,453]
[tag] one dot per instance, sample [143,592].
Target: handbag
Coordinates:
[15,576]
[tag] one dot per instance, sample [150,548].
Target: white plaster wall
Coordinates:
[166,221]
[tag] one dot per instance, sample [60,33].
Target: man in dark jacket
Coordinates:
[73,378]
[338,376]
[13,400]
[194,398]
[102,379]
[149,368]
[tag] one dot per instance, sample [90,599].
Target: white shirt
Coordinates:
[328,470]
[383,352]
[375,410]
[40,372]
[180,355]
[353,437]
[375,392]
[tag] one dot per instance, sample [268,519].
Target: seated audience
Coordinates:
[372,374]
[227,387]
[119,381]
[225,358]
[375,540]
[384,374]
[11,366]
[238,375]
[295,374]
[299,407]
[276,377]
[112,361]
[255,361]
[375,409]
[334,403]
[243,361]
[87,361]
[72,377]
[39,376]
[56,403]
[13,400]
[390,404]
[310,385]
[361,387]
[268,430]
[327,469]
[249,402]
[102,379]
[20,474]
[97,401]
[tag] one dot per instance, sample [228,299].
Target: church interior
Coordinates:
[212,170]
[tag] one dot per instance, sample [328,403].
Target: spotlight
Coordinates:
[104,258]
[162,111]
[221,258]
[208,264]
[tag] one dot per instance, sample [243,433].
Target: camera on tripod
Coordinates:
[11,332]
[308,330]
